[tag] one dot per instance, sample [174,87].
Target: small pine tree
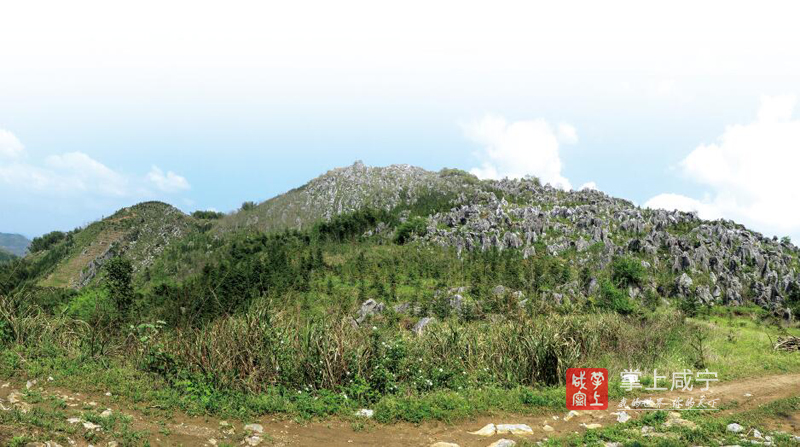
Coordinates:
[119,272]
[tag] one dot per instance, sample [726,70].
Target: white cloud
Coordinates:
[169,182]
[76,174]
[588,185]
[751,172]
[520,148]
[10,146]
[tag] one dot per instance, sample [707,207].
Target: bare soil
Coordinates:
[180,429]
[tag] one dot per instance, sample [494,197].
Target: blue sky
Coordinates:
[205,106]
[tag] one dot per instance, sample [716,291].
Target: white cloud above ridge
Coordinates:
[520,148]
[750,170]
[169,182]
[76,175]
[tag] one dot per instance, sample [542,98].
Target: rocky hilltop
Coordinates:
[720,262]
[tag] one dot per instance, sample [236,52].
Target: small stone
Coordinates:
[548,428]
[591,426]
[571,414]
[757,434]
[623,417]
[6,385]
[253,440]
[91,426]
[735,428]
[15,397]
[514,429]
[50,378]
[254,428]
[487,430]
[29,384]
[112,444]
[612,444]
[106,413]
[503,443]
[74,420]
[444,444]
[365,413]
[748,395]
[212,441]
[94,404]
[108,393]
[647,429]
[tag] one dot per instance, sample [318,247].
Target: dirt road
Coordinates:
[196,431]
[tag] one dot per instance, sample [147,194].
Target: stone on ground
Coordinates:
[514,429]
[503,443]
[735,428]
[487,430]
[444,444]
[254,428]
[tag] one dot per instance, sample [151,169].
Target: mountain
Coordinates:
[15,244]
[667,254]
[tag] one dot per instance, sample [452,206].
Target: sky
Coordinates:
[687,105]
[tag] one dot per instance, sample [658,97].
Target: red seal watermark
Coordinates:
[587,389]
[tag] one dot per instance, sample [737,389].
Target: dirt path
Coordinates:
[190,431]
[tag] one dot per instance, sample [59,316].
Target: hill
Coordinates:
[138,233]
[15,244]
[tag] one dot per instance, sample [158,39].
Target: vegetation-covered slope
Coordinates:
[138,233]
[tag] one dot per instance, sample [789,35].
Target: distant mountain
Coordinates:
[15,244]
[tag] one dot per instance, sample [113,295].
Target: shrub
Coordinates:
[626,272]
[42,243]
[210,215]
[614,299]
[415,226]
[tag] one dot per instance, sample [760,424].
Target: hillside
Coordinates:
[15,244]
[138,233]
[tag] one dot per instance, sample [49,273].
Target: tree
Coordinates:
[119,272]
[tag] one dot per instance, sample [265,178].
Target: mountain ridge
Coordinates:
[718,262]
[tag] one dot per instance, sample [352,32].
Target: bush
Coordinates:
[247,206]
[210,215]
[614,299]
[42,243]
[627,272]
[415,226]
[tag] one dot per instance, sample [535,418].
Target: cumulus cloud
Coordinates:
[588,185]
[520,148]
[10,146]
[750,170]
[75,174]
[169,182]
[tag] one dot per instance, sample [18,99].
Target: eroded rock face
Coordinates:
[718,262]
